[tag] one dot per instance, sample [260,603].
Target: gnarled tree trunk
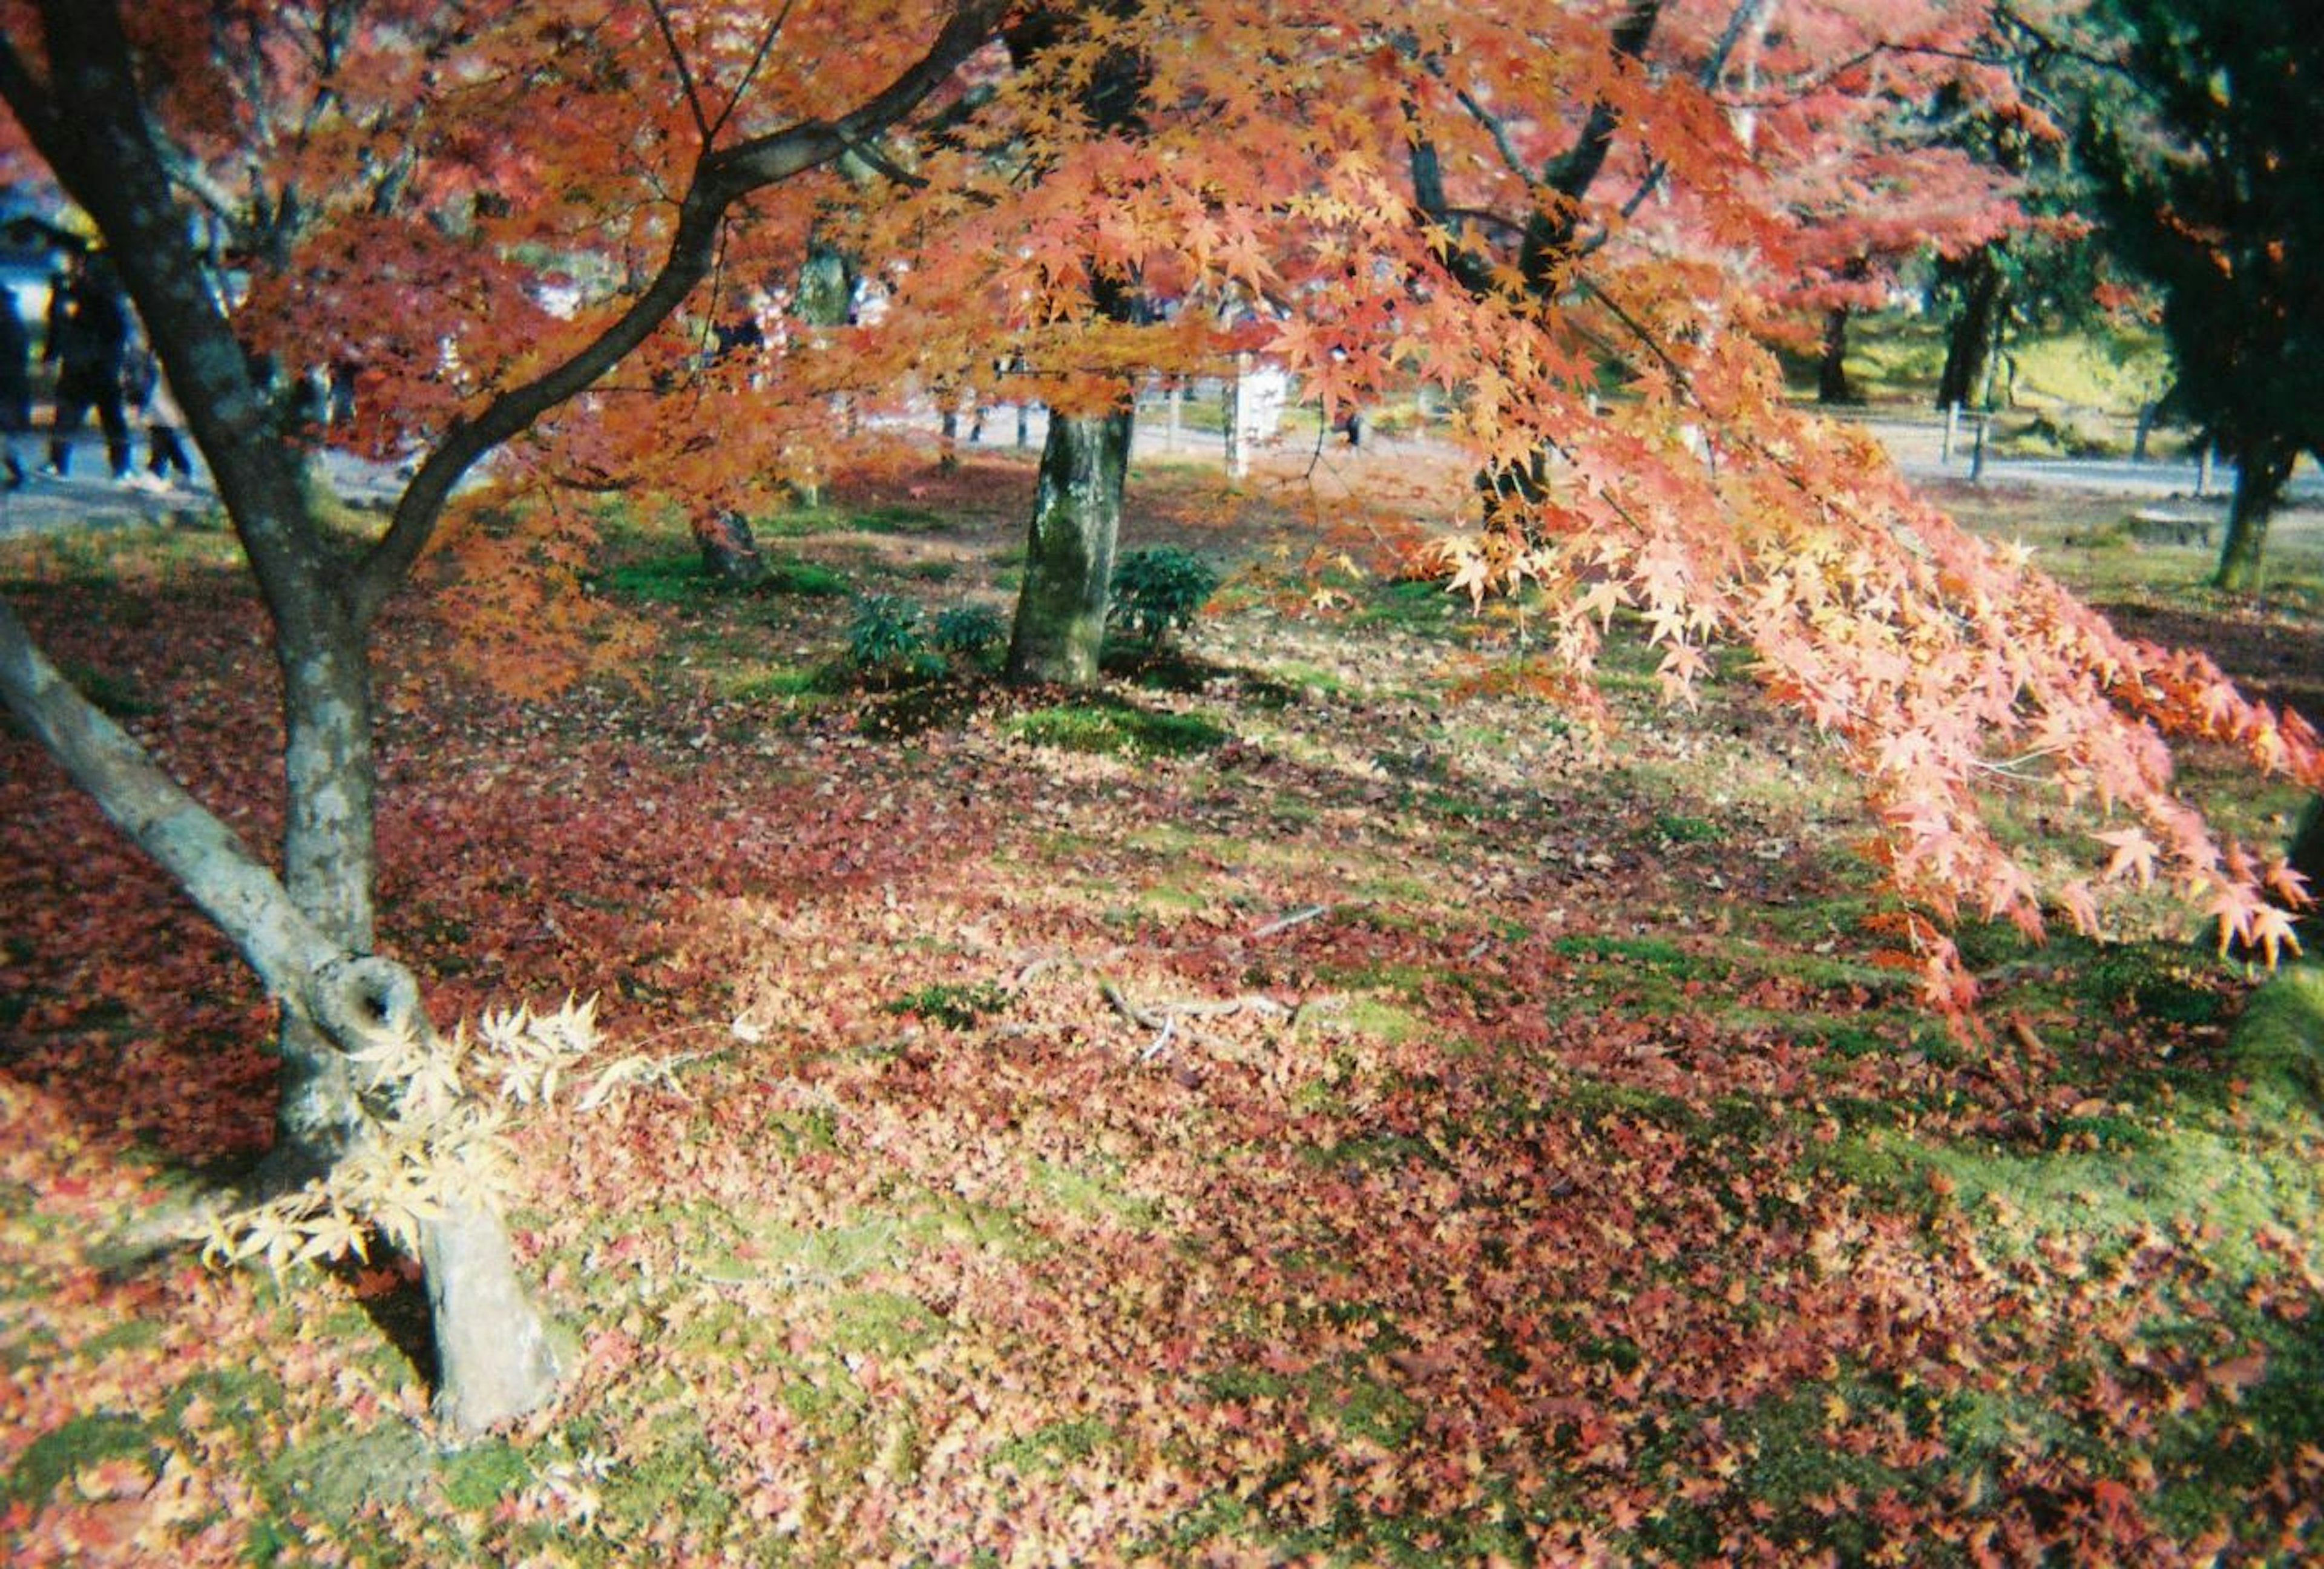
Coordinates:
[1060,625]
[493,1354]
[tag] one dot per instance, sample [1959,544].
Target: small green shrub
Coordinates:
[968,630]
[1158,589]
[886,635]
[953,1006]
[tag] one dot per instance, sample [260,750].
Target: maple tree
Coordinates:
[496,103]
[1521,208]
[2202,148]
[1519,204]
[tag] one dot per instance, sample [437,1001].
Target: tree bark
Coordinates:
[729,551]
[1969,342]
[496,1357]
[1832,385]
[1060,625]
[330,865]
[2261,470]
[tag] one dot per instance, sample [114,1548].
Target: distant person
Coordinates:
[89,343]
[148,394]
[344,371]
[15,387]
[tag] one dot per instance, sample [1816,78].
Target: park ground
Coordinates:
[1306,1102]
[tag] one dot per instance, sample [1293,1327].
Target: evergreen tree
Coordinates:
[2210,173]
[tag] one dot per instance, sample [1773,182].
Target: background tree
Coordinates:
[87,84]
[2203,145]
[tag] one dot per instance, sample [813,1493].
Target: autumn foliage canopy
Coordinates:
[1586,225]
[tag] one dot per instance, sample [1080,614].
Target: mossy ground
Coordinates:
[1271,1109]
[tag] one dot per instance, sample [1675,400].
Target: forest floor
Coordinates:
[1303,1103]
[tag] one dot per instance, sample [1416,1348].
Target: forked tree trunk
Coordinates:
[1069,549]
[494,1349]
[307,934]
[2259,479]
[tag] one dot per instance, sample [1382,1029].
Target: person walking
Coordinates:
[15,387]
[89,344]
[148,392]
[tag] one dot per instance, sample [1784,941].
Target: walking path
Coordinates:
[91,498]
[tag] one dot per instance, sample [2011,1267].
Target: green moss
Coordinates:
[954,1005]
[677,1475]
[778,683]
[1108,726]
[2278,1046]
[828,1255]
[2167,981]
[53,1457]
[334,1476]
[477,1478]
[807,579]
[898,520]
[668,579]
[132,1334]
[1091,1192]
[1054,1446]
[887,1323]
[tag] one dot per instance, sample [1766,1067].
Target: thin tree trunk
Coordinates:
[2260,477]
[1069,550]
[330,865]
[1832,373]
[1969,342]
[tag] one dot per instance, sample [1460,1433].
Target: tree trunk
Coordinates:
[2260,478]
[496,1357]
[730,551]
[312,956]
[1832,373]
[1969,343]
[331,865]
[1069,550]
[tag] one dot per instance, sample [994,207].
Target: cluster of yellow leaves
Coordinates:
[435,1133]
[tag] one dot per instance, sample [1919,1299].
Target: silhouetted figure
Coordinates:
[89,344]
[149,394]
[15,387]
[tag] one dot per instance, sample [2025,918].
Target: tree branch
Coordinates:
[685,73]
[232,885]
[721,177]
[751,72]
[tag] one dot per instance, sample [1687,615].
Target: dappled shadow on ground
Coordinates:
[1370,1126]
[2273,655]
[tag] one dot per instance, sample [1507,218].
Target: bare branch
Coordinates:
[685,73]
[750,71]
